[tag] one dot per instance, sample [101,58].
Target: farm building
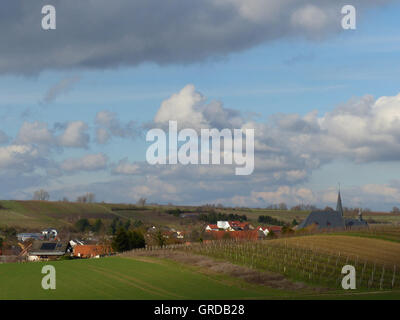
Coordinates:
[50,233]
[27,236]
[92,251]
[212,227]
[231,226]
[332,219]
[48,250]
[266,230]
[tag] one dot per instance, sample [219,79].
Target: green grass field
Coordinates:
[125,278]
[149,278]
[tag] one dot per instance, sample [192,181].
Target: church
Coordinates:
[332,219]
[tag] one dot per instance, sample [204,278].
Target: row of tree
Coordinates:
[213,217]
[43,195]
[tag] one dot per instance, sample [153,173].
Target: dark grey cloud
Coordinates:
[105,34]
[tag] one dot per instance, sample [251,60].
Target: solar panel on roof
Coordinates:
[48,246]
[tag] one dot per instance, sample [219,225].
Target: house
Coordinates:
[92,251]
[224,225]
[212,227]
[27,236]
[49,233]
[43,250]
[239,226]
[180,234]
[275,229]
[75,242]
[332,219]
[264,230]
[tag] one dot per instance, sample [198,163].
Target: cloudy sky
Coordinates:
[76,102]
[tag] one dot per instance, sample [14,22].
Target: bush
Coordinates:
[270,220]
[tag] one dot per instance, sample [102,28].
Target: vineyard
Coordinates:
[317,260]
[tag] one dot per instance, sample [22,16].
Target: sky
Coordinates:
[76,102]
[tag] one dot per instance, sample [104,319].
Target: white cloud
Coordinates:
[18,157]
[126,168]
[310,18]
[90,162]
[108,125]
[35,133]
[75,135]
[190,109]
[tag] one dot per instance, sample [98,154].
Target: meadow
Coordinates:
[125,278]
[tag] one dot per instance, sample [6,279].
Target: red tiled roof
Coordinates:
[275,228]
[212,226]
[86,251]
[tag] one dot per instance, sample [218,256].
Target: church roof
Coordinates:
[323,219]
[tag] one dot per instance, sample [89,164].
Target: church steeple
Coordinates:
[339,207]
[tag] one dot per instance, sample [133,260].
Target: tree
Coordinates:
[97,226]
[136,240]
[395,210]
[141,202]
[294,222]
[271,234]
[121,241]
[159,238]
[282,206]
[81,199]
[127,240]
[88,197]
[286,230]
[1,243]
[41,195]
[82,225]
[127,224]
[115,225]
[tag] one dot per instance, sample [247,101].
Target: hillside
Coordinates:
[41,214]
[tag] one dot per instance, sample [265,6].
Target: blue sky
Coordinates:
[289,75]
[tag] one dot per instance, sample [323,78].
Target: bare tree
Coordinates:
[41,195]
[81,199]
[90,197]
[86,198]
[141,202]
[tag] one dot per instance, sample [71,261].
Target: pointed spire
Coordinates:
[339,207]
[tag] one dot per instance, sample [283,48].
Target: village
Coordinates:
[49,245]
[88,242]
